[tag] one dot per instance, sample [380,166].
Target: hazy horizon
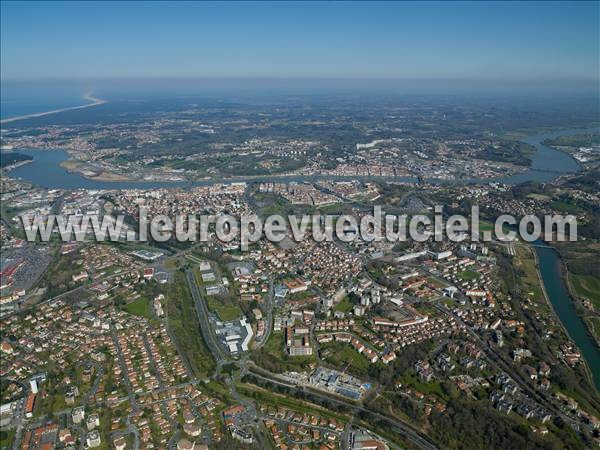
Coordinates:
[554,43]
[195,85]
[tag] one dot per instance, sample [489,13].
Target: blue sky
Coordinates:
[458,41]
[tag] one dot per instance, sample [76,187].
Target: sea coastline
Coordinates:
[94,102]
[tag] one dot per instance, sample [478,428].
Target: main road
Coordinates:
[204,321]
[411,434]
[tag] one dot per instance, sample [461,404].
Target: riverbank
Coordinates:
[575,298]
[16,165]
[550,269]
[522,133]
[78,167]
[581,147]
[582,309]
[587,369]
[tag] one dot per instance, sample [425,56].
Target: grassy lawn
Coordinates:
[183,323]
[333,208]
[343,355]
[221,391]
[140,307]
[595,321]
[587,286]
[223,306]
[225,312]
[436,283]
[6,438]
[433,387]
[450,303]
[59,403]
[274,345]
[531,283]
[344,306]
[468,275]
[527,264]
[486,226]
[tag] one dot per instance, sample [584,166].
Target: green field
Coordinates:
[587,286]
[595,326]
[223,306]
[344,306]
[140,307]
[225,312]
[274,346]
[433,387]
[6,438]
[438,284]
[342,355]
[529,278]
[220,391]
[485,226]
[468,275]
[270,203]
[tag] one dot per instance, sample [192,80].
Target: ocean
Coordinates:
[19,99]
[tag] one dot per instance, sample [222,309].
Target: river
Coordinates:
[551,271]
[547,164]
